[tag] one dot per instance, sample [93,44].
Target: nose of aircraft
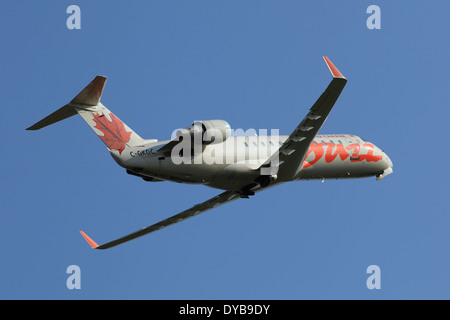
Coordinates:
[387,166]
[387,161]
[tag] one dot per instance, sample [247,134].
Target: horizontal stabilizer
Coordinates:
[62,113]
[89,96]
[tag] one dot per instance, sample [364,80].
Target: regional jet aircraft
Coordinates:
[208,153]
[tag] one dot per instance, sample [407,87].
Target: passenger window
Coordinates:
[340,142]
[246,144]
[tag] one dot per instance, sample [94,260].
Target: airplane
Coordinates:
[240,165]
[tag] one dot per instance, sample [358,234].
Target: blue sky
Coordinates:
[256,64]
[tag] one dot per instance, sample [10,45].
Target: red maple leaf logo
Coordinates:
[114,134]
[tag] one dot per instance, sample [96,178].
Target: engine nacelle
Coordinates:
[206,132]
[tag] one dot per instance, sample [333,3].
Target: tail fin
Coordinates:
[113,132]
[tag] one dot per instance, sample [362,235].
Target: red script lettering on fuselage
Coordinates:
[334,150]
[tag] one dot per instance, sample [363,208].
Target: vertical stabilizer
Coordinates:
[110,129]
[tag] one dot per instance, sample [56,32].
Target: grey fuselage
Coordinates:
[233,164]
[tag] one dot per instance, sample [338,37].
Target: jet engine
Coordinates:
[206,132]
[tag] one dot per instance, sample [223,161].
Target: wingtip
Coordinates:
[334,71]
[91,242]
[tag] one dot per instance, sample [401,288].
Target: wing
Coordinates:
[218,200]
[290,156]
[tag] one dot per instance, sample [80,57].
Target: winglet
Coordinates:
[89,240]
[334,71]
